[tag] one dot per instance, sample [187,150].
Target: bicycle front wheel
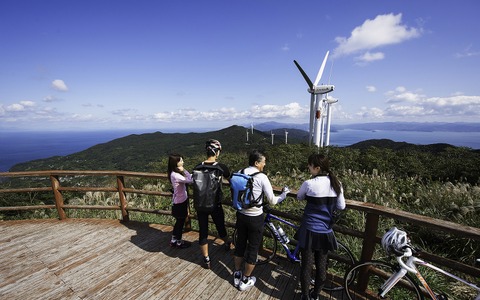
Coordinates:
[339,262]
[268,246]
[363,281]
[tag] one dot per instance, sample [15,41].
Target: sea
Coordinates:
[18,147]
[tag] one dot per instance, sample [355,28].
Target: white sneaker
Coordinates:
[251,282]
[237,277]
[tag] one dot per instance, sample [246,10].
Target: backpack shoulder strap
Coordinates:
[203,165]
[242,171]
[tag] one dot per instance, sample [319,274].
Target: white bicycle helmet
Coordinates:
[213,145]
[395,241]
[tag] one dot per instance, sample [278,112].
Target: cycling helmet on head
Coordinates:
[395,241]
[213,145]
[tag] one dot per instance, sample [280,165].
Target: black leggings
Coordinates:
[178,229]
[180,212]
[218,217]
[249,237]
[308,257]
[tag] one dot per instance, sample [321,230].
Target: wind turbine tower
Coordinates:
[314,89]
[247,135]
[319,121]
[271,132]
[329,102]
[286,137]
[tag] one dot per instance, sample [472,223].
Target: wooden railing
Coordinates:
[369,235]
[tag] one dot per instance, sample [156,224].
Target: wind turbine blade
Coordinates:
[320,72]
[309,82]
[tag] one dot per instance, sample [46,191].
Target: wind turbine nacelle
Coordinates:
[330,100]
[322,89]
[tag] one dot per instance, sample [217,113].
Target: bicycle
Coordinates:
[338,261]
[382,280]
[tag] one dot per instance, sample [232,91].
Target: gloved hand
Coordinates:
[285,190]
[284,193]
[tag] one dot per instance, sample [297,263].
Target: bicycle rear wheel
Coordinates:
[363,281]
[339,262]
[268,247]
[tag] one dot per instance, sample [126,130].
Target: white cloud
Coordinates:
[266,112]
[382,31]
[286,47]
[371,88]
[370,113]
[15,107]
[467,52]
[18,107]
[59,85]
[369,57]
[402,95]
[407,105]
[51,98]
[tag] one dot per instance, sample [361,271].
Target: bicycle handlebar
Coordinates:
[407,254]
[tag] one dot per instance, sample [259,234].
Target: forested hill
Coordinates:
[134,152]
[143,152]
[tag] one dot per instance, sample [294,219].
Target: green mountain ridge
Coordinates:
[134,152]
[137,152]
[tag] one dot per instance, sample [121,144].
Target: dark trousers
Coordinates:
[249,237]
[179,212]
[218,217]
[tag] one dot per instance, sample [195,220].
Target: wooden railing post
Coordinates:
[369,237]
[368,247]
[58,197]
[123,198]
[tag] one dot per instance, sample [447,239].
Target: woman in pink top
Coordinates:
[179,178]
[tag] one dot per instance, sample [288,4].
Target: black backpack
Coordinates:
[207,186]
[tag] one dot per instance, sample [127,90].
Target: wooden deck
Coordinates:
[107,259]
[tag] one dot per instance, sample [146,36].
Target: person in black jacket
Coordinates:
[213,149]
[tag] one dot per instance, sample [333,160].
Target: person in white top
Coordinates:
[324,194]
[249,222]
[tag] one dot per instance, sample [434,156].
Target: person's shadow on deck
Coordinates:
[146,237]
[151,238]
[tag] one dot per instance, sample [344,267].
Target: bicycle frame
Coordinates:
[410,266]
[292,256]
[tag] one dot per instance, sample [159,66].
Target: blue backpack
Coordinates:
[241,187]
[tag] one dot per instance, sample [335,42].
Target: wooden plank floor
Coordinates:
[107,259]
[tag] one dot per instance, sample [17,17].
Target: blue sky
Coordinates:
[90,65]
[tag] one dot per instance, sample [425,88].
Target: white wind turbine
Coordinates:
[329,101]
[286,137]
[314,89]
[271,132]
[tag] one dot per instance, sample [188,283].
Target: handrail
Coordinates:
[369,235]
